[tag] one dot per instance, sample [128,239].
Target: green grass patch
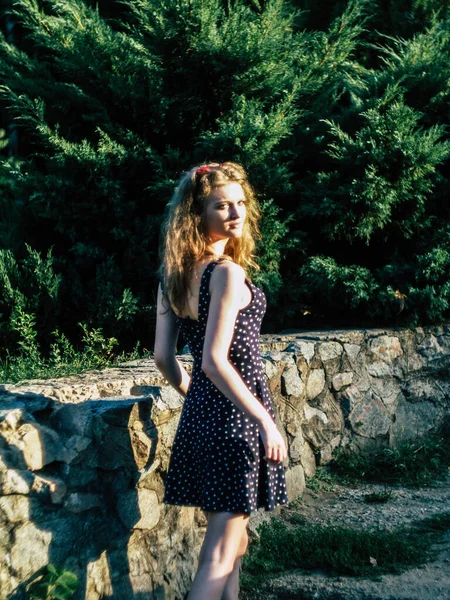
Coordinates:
[337,550]
[323,480]
[415,463]
[378,497]
[96,352]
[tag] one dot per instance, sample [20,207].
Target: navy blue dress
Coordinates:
[216,461]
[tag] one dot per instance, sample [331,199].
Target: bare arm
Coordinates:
[165,348]
[226,286]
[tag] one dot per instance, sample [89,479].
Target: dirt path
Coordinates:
[346,506]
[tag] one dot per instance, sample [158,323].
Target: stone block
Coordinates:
[414,421]
[315,383]
[78,475]
[295,445]
[11,458]
[12,417]
[310,412]
[38,444]
[30,550]
[304,349]
[14,509]
[15,482]
[308,460]
[370,418]
[291,384]
[73,420]
[46,486]
[270,369]
[349,398]
[163,397]
[139,509]
[295,482]
[385,347]
[330,350]
[352,351]
[422,389]
[300,452]
[342,380]
[380,369]
[326,452]
[98,579]
[389,391]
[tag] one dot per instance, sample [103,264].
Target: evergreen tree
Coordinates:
[113,111]
[339,121]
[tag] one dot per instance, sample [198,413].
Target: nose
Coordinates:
[234,211]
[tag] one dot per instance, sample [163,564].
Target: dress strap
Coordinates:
[204,295]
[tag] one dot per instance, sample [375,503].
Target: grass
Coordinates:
[96,352]
[378,497]
[416,463]
[322,480]
[336,550]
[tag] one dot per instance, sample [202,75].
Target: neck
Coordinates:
[217,248]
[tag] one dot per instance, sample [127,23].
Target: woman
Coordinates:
[227,454]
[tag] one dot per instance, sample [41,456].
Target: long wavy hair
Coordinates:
[184,238]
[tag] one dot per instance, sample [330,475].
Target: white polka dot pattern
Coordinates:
[216,460]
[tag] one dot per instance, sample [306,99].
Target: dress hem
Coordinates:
[240,512]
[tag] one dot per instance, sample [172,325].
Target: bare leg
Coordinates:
[231,590]
[218,555]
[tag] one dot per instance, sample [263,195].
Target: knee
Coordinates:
[243,545]
[219,567]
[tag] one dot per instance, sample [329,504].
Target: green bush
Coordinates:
[334,112]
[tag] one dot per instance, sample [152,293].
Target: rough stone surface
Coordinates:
[83,459]
[295,482]
[369,418]
[139,510]
[341,380]
[330,350]
[291,383]
[305,349]
[386,347]
[316,383]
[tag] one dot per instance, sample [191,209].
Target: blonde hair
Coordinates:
[184,238]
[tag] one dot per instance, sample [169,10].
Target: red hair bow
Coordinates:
[203,169]
[206,168]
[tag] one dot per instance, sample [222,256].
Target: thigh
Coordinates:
[224,535]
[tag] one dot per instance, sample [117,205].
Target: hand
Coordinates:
[273,442]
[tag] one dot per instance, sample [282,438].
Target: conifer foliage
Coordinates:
[340,125]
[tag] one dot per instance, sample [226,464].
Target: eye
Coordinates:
[241,202]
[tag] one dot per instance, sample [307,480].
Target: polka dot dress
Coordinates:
[216,460]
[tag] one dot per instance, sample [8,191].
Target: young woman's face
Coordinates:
[225,212]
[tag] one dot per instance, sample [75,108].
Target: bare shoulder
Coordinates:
[227,274]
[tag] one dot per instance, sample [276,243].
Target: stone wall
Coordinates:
[83,459]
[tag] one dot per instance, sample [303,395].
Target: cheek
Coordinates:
[212,220]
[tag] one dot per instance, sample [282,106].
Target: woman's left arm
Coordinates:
[165,348]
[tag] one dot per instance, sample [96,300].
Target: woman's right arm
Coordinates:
[227,282]
[165,348]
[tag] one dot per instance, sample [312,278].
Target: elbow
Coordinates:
[211,366]
[161,362]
